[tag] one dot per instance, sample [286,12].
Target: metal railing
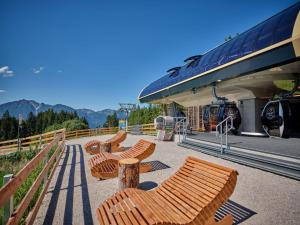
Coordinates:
[181,127]
[222,129]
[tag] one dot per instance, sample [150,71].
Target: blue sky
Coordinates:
[95,54]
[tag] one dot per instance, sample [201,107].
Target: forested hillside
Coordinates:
[42,122]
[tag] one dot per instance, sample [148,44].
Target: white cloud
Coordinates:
[38,70]
[9,73]
[2,91]
[59,71]
[4,69]
[6,72]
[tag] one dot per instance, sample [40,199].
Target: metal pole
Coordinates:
[221,127]
[126,122]
[226,133]
[19,140]
[9,205]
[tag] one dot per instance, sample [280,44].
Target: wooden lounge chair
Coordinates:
[105,165]
[191,196]
[94,146]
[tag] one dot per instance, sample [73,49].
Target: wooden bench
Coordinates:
[94,146]
[191,196]
[105,165]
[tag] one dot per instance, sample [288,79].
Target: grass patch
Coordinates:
[11,164]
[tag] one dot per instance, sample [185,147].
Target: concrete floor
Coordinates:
[259,198]
[282,146]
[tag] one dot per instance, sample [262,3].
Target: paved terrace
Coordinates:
[259,198]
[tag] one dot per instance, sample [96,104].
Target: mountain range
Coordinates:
[24,107]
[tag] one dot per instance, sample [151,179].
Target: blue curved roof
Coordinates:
[273,30]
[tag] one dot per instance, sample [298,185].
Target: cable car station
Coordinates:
[254,77]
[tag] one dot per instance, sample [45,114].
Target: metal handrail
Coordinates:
[181,128]
[227,129]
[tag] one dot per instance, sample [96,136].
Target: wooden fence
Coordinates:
[48,160]
[147,129]
[24,144]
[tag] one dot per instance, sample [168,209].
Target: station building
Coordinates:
[249,70]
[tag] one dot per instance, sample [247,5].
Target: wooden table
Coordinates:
[129,173]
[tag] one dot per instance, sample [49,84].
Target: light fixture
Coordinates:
[276,69]
[219,80]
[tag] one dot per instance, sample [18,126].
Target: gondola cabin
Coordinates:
[281,118]
[216,113]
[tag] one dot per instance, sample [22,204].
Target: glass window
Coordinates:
[224,56]
[218,52]
[286,24]
[205,59]
[265,37]
[248,45]
[236,46]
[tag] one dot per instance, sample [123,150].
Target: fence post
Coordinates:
[76,133]
[40,141]
[8,207]
[19,144]
[45,163]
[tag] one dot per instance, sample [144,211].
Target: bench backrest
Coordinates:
[118,138]
[200,188]
[141,150]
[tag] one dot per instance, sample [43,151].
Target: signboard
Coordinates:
[122,124]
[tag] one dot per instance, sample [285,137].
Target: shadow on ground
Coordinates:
[71,151]
[156,165]
[147,185]
[239,212]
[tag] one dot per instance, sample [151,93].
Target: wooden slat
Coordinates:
[17,215]
[32,215]
[191,196]
[7,190]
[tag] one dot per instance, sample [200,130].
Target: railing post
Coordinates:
[46,175]
[76,133]
[19,144]
[226,133]
[9,205]
[221,127]
[40,141]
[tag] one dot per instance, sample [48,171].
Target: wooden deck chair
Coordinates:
[191,196]
[105,165]
[94,146]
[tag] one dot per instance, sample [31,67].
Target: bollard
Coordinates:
[9,205]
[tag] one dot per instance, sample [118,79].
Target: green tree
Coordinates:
[144,115]
[111,121]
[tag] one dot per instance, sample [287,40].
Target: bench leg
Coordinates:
[227,220]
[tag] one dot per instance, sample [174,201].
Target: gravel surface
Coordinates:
[73,195]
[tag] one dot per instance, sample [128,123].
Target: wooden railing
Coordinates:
[147,129]
[37,141]
[91,132]
[48,160]
[24,143]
